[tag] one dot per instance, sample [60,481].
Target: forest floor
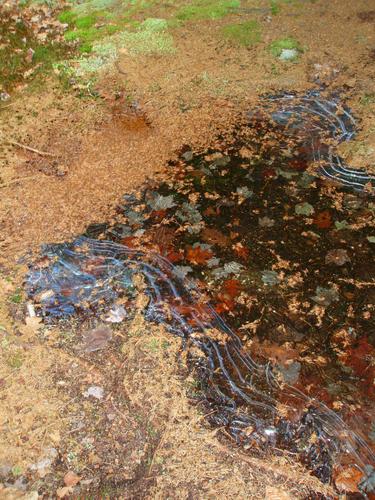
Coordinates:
[85,118]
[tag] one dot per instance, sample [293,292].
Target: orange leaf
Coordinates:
[241,251]
[198,255]
[129,241]
[158,215]
[348,478]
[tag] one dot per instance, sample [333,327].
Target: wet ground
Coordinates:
[219,344]
[276,233]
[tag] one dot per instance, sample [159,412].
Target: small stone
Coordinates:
[188,156]
[94,391]
[288,54]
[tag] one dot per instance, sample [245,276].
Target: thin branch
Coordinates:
[19,179]
[29,148]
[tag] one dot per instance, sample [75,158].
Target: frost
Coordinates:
[213,262]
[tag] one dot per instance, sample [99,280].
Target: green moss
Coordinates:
[85,48]
[84,35]
[246,34]
[277,46]
[90,6]
[207,9]
[16,298]
[150,38]
[67,17]
[368,99]
[86,21]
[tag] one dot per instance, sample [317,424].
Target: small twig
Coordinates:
[33,150]
[358,284]
[7,105]
[19,179]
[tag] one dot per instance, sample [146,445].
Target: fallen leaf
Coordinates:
[338,256]
[304,209]
[31,327]
[266,222]
[96,338]
[348,478]
[71,478]
[215,237]
[323,220]
[64,492]
[198,255]
[273,493]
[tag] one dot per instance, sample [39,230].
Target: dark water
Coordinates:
[266,269]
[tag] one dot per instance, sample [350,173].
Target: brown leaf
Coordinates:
[32,326]
[97,338]
[338,257]
[71,479]
[64,492]
[348,478]
[213,236]
[274,493]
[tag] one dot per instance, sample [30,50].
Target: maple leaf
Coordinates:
[198,255]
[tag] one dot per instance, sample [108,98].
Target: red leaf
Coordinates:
[158,215]
[129,241]
[323,220]
[174,256]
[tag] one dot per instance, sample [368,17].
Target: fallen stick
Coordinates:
[29,148]
[19,179]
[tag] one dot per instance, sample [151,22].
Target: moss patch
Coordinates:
[245,34]
[277,46]
[150,38]
[207,9]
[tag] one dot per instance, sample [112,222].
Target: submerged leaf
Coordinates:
[338,256]
[325,296]
[304,209]
[270,278]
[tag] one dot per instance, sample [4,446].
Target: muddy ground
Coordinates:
[121,422]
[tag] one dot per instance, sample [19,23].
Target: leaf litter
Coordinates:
[210,207]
